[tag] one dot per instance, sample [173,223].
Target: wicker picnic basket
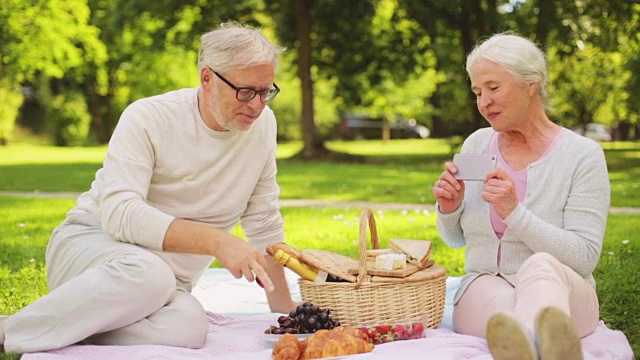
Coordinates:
[367,300]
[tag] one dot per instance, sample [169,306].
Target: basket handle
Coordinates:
[366,218]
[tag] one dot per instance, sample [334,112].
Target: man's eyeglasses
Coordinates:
[247,94]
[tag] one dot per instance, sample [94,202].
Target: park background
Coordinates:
[69,67]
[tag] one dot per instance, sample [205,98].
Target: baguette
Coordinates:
[293,252]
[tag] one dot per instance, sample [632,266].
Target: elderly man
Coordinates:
[182,169]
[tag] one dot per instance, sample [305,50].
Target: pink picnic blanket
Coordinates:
[242,338]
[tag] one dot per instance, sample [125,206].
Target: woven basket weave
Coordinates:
[375,299]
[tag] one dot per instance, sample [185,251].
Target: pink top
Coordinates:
[519,178]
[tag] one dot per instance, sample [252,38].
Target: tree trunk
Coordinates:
[109,114]
[313,142]
[438,129]
[95,109]
[492,17]
[467,37]
[546,19]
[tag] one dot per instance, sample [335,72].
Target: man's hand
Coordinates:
[242,259]
[235,254]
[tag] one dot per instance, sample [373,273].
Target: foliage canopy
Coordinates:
[385,57]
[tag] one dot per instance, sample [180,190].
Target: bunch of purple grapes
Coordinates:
[305,319]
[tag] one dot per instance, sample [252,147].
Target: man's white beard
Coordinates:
[224,122]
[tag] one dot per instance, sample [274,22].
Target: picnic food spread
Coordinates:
[383,288]
[403,259]
[309,319]
[339,341]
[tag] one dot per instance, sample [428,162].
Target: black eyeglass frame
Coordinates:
[265,95]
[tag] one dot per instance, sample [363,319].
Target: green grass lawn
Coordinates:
[398,171]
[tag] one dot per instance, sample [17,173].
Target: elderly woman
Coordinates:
[534,228]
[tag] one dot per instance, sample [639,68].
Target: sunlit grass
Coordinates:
[399,170]
[376,148]
[379,148]
[288,149]
[21,153]
[26,223]
[622,145]
[24,153]
[358,182]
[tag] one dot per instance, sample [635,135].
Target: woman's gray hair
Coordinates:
[518,55]
[236,46]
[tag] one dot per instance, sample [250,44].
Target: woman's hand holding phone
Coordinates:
[500,192]
[448,191]
[499,188]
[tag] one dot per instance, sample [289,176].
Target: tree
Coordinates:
[314,19]
[41,40]
[454,28]
[152,49]
[378,49]
[562,28]
[593,58]
[313,143]
[586,80]
[380,56]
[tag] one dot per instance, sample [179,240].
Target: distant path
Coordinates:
[297,202]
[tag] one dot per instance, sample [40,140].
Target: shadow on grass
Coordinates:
[623,161]
[47,177]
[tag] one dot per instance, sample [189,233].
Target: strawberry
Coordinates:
[418,329]
[383,329]
[389,337]
[399,332]
[373,335]
[366,331]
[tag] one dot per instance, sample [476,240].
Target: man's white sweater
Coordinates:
[163,163]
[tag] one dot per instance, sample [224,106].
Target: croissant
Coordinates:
[288,347]
[339,341]
[353,332]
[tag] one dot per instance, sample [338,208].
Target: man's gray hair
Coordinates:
[236,46]
[518,55]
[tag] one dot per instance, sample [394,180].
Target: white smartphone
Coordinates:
[474,167]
